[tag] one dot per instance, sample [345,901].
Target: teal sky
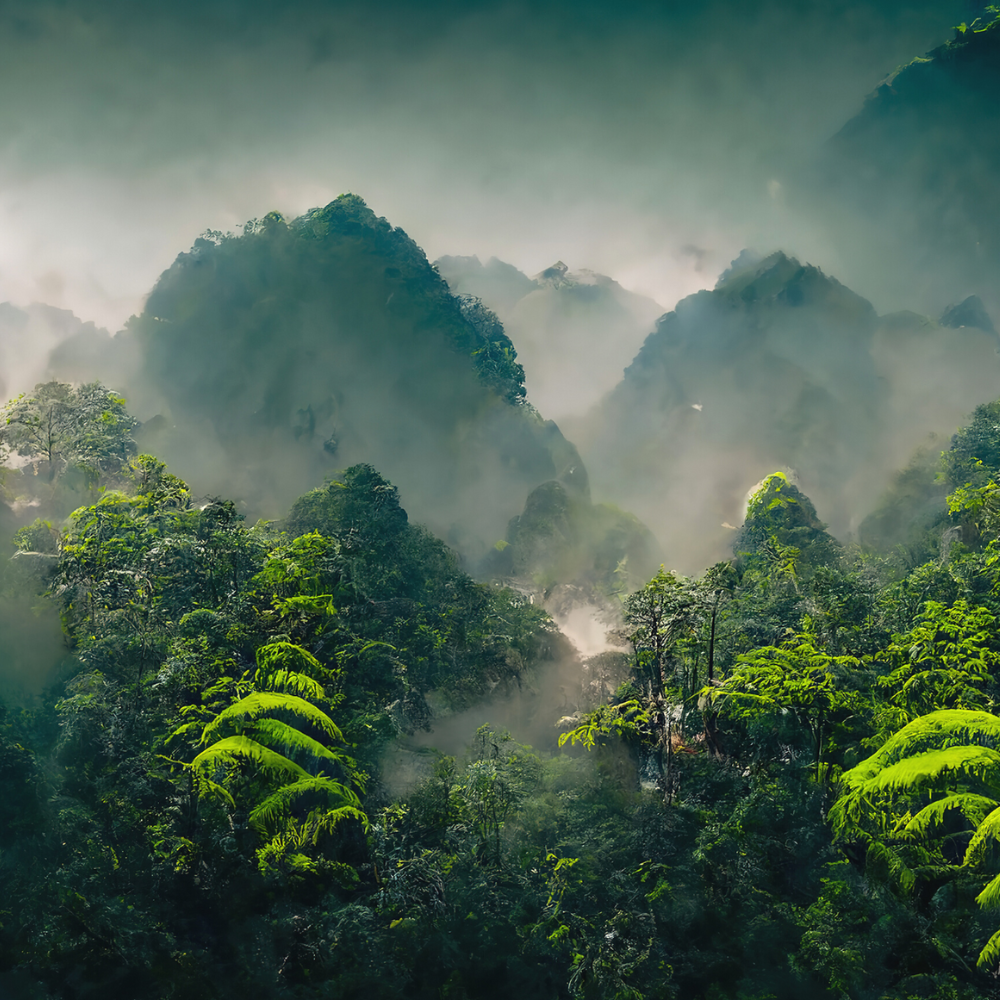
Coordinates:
[609,135]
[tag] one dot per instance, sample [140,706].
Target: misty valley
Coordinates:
[387,628]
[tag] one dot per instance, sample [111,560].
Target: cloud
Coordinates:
[607,133]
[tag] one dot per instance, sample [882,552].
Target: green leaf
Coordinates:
[235,748]
[261,703]
[275,809]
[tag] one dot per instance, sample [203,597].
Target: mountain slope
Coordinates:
[910,181]
[575,330]
[779,367]
[329,340]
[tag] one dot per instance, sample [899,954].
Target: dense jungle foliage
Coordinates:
[794,788]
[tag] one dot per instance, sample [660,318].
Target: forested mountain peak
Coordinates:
[315,242]
[769,310]
[907,187]
[782,279]
[329,338]
[780,366]
[968,312]
[555,273]
[963,68]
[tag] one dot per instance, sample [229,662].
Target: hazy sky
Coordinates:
[611,135]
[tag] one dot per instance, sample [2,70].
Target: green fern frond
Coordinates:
[989,898]
[209,789]
[286,656]
[274,733]
[183,730]
[936,731]
[327,820]
[882,854]
[274,811]
[926,822]
[236,748]
[748,699]
[929,769]
[989,957]
[291,682]
[262,703]
[988,831]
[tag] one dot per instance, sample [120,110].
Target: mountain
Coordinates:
[327,340]
[575,330]
[778,367]
[264,360]
[909,183]
[28,337]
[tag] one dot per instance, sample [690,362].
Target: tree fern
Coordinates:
[946,757]
[264,703]
[237,749]
[256,750]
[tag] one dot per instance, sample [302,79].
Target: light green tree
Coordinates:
[930,795]
[797,678]
[274,756]
[60,425]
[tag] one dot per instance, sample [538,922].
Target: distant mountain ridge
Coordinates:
[779,367]
[574,330]
[28,338]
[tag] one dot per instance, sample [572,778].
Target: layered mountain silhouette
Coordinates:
[28,339]
[780,367]
[575,331]
[263,361]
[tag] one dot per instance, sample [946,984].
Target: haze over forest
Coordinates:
[500,500]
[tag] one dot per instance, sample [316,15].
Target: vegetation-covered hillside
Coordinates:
[783,785]
[910,181]
[780,366]
[299,346]
[330,669]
